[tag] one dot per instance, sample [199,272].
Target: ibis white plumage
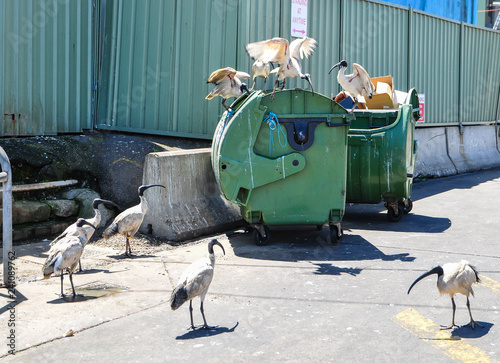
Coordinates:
[358,83]
[454,278]
[128,222]
[194,282]
[287,55]
[227,84]
[72,230]
[66,253]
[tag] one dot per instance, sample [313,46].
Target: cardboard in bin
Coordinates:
[383,97]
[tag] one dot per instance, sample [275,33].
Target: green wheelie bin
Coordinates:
[283,160]
[381,157]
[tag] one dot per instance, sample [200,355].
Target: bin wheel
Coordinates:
[319,227]
[407,206]
[391,214]
[262,240]
[334,234]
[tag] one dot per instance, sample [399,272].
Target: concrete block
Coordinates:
[63,207]
[432,155]
[480,147]
[191,205]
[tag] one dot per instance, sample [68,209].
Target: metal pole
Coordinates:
[8,256]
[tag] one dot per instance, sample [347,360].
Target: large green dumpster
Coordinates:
[283,161]
[381,157]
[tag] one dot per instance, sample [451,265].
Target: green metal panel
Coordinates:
[157,59]
[289,172]
[480,80]
[435,66]
[376,36]
[45,66]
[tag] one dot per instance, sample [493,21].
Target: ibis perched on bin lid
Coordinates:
[227,84]
[287,55]
[454,278]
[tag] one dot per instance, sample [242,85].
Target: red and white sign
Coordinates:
[299,18]
[421,101]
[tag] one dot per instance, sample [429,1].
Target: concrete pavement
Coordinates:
[298,299]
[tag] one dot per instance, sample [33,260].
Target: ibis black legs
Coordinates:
[453,317]
[205,325]
[472,322]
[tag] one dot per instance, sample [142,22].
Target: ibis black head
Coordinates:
[436,270]
[244,87]
[211,246]
[307,77]
[106,203]
[143,188]
[81,222]
[340,64]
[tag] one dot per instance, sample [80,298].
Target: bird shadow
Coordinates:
[329,269]
[201,332]
[132,257]
[97,270]
[465,331]
[71,299]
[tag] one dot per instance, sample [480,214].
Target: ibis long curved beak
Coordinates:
[335,66]
[80,222]
[142,188]
[106,203]
[436,270]
[211,246]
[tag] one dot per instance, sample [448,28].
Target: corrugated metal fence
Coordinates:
[149,60]
[45,66]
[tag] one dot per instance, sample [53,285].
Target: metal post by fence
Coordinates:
[6,180]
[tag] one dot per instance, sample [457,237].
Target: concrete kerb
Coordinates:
[443,151]
[191,205]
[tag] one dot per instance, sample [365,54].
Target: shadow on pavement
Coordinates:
[467,332]
[201,333]
[307,244]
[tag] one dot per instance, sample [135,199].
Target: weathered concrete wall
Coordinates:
[444,151]
[191,205]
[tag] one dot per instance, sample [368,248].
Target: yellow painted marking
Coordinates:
[454,347]
[489,283]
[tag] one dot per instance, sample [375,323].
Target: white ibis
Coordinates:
[357,83]
[227,84]
[454,278]
[194,282]
[129,221]
[94,221]
[66,253]
[262,70]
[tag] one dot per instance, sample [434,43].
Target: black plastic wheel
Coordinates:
[319,227]
[259,239]
[393,217]
[334,234]
[407,206]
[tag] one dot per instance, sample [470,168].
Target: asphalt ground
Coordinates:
[298,299]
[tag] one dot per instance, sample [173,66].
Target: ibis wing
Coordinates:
[273,50]
[364,76]
[242,75]
[197,277]
[219,74]
[302,47]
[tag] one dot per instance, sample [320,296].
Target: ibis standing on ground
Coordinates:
[287,55]
[194,282]
[129,221]
[94,221]
[66,253]
[454,278]
[358,83]
[227,84]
